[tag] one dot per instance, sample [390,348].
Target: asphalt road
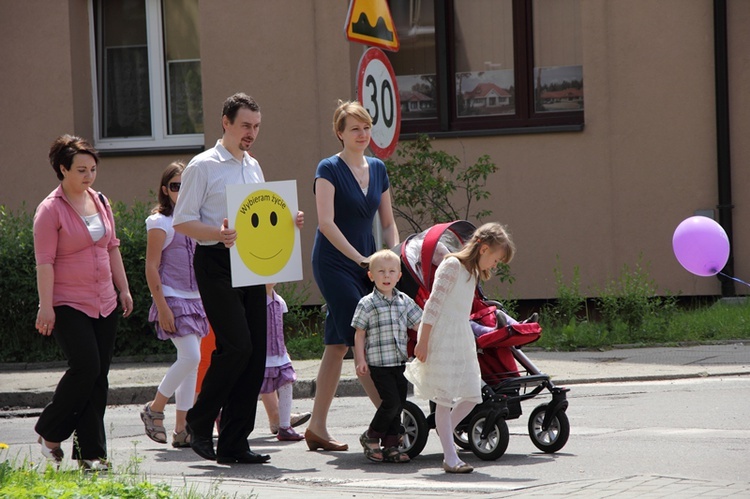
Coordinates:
[679,437]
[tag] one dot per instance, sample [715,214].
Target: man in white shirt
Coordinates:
[237,315]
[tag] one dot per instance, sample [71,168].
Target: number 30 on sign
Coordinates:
[378,92]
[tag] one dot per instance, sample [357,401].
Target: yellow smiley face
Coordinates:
[265,232]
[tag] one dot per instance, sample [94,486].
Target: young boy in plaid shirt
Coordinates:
[380,322]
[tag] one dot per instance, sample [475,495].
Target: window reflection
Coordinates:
[558,66]
[484,57]
[414,63]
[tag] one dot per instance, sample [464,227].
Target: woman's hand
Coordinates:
[127,303]
[300,221]
[45,320]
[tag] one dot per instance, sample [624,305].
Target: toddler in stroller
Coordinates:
[484,430]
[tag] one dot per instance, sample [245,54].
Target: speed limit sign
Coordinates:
[378,93]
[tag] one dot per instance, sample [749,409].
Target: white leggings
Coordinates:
[182,376]
[285,405]
[446,421]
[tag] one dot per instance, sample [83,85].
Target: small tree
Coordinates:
[432,186]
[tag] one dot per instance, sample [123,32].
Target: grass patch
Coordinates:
[27,480]
[715,323]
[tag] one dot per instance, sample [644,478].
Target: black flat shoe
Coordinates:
[203,446]
[247,457]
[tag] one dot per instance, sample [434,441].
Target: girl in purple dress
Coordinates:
[279,374]
[177,310]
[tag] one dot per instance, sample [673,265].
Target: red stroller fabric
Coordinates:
[496,360]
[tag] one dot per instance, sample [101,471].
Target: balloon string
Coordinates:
[734,279]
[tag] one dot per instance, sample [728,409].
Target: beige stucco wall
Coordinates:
[597,199]
[739,99]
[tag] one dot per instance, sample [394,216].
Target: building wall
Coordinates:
[593,200]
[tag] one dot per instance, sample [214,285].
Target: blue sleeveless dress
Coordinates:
[341,281]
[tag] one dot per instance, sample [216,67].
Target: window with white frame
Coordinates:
[148,74]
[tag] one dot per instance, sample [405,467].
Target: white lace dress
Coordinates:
[451,372]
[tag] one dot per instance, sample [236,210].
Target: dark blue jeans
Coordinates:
[391,385]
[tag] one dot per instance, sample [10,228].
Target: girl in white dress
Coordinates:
[446,369]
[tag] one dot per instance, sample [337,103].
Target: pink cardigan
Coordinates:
[83,277]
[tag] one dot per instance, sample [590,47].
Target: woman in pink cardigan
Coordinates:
[79,277]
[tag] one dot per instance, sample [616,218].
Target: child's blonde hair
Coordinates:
[383,256]
[494,235]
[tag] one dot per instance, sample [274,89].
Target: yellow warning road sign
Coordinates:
[370,22]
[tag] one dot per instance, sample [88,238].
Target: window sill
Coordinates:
[493,132]
[151,151]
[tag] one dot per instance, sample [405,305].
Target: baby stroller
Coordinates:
[484,431]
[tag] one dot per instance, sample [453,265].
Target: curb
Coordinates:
[18,404]
[129,395]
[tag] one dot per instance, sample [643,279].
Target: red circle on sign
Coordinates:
[376,74]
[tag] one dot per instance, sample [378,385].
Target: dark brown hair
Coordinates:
[236,102]
[64,148]
[165,206]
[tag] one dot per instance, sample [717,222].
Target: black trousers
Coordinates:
[391,385]
[233,380]
[80,398]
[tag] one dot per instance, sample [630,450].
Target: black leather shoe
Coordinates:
[203,446]
[247,457]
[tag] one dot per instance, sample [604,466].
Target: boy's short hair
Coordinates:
[383,256]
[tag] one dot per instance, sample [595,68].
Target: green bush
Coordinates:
[18,294]
[303,325]
[432,186]
[570,302]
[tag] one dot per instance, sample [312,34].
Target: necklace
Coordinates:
[363,179]
[83,217]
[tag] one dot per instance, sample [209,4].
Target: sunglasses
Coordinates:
[175,186]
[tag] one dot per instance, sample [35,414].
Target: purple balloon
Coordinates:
[701,246]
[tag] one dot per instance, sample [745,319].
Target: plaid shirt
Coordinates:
[385,322]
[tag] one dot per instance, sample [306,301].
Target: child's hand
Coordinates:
[166,320]
[420,351]
[362,369]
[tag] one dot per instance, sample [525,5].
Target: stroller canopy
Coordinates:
[421,253]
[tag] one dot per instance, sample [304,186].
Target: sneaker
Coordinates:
[180,440]
[288,435]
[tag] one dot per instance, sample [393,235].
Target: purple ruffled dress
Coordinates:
[279,370]
[178,280]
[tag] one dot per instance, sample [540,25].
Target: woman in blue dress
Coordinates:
[350,188]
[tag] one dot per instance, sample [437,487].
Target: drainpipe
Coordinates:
[721,76]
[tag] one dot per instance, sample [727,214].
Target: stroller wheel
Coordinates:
[553,438]
[415,430]
[496,441]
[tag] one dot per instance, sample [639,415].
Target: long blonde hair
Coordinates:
[492,234]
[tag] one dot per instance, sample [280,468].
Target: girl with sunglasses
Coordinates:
[177,310]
